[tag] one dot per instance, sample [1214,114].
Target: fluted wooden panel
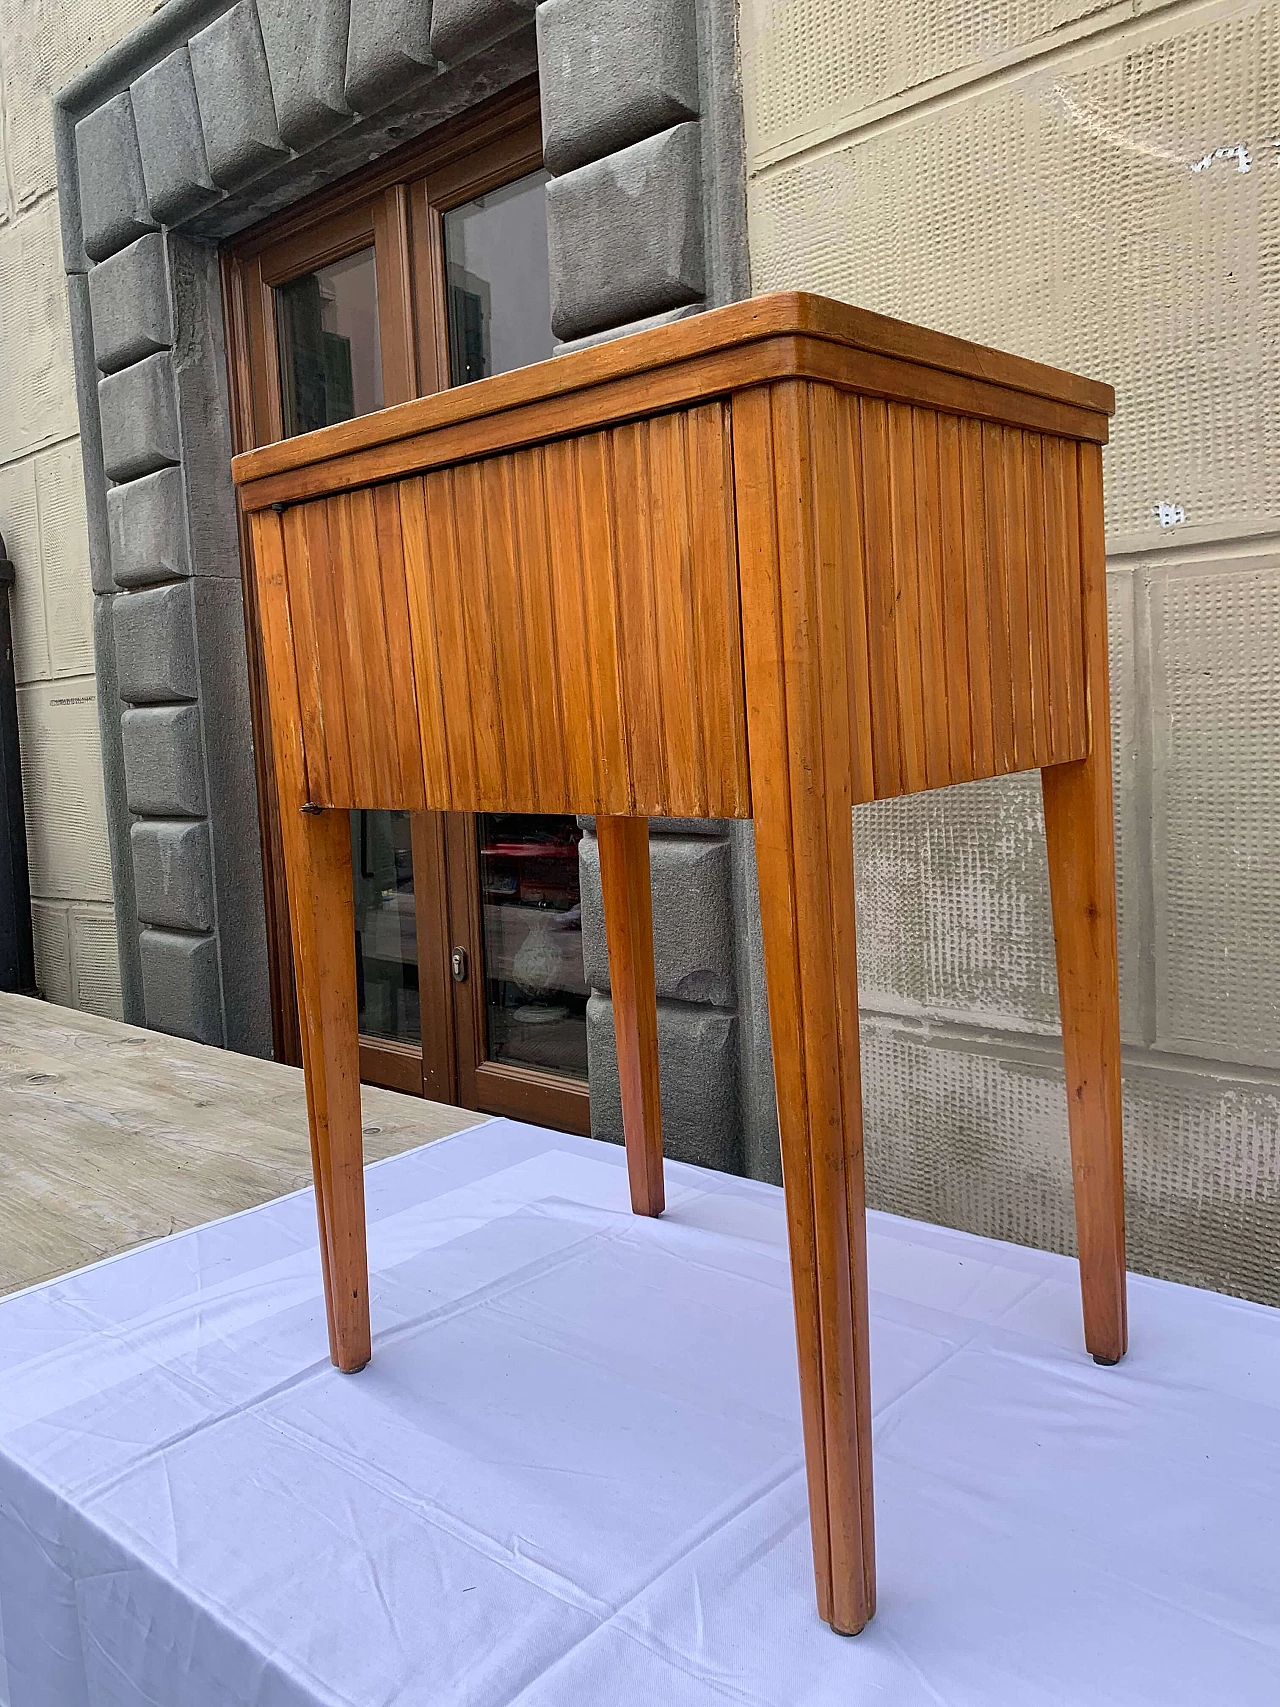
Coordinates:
[575,621]
[350,622]
[959,540]
[558,629]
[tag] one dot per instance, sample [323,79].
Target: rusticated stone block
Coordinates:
[173,872]
[611,72]
[129,296]
[174,164]
[155,645]
[389,49]
[148,530]
[697,1063]
[567,346]
[692,919]
[113,193]
[180,985]
[306,48]
[233,90]
[163,762]
[139,419]
[624,235]
[462,27]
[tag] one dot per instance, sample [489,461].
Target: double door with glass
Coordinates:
[431,273]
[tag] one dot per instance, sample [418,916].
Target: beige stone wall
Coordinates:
[43,44]
[1096,186]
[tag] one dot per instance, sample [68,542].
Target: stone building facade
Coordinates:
[1094,186]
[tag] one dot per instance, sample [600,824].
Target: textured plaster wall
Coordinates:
[43,43]
[1096,186]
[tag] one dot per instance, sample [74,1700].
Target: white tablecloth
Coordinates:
[572,1473]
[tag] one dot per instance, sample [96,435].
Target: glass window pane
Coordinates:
[330,353]
[499,286]
[535,992]
[386,926]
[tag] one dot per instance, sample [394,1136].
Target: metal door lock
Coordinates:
[458,960]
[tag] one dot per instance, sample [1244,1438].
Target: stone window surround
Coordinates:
[646,221]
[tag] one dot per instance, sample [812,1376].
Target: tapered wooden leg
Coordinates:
[317,858]
[1077,816]
[318,871]
[810,969]
[1082,879]
[628,923]
[800,694]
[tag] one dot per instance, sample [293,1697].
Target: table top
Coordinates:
[791,334]
[112,1136]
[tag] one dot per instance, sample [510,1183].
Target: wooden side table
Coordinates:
[766,562]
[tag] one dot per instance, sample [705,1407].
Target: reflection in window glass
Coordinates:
[386,926]
[535,992]
[498,282]
[330,355]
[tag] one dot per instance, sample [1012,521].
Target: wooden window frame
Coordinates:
[397,207]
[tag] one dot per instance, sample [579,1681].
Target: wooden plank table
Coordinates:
[768,562]
[111,1136]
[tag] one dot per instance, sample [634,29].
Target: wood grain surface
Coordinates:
[628,923]
[111,1136]
[1082,881]
[559,629]
[552,631]
[719,351]
[317,855]
[803,678]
